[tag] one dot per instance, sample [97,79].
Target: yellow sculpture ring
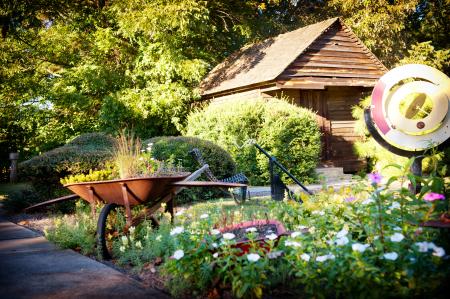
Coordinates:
[410,107]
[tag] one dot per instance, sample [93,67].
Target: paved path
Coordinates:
[255,191]
[32,267]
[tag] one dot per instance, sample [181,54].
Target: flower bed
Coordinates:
[363,241]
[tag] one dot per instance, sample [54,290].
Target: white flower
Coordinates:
[292,243]
[368,201]
[228,236]
[271,236]
[204,216]
[321,213]
[177,230]
[124,240]
[274,254]
[122,248]
[301,227]
[253,257]
[323,258]
[251,230]
[424,246]
[215,232]
[295,234]
[306,257]
[158,238]
[216,255]
[139,244]
[391,256]
[397,228]
[397,237]
[342,233]
[178,254]
[360,247]
[131,230]
[394,205]
[438,251]
[341,241]
[215,245]
[179,213]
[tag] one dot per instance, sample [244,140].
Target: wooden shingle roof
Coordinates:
[265,61]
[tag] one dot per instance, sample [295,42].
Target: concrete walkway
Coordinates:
[256,191]
[32,267]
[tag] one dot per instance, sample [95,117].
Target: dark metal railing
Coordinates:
[275,179]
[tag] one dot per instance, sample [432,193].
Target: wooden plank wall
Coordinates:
[337,57]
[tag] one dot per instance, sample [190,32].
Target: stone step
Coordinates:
[332,174]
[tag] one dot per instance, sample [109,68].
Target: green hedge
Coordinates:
[85,152]
[288,132]
[176,150]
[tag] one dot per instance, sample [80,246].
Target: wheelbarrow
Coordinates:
[151,192]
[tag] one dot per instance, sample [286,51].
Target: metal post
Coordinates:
[13,169]
[272,187]
[416,169]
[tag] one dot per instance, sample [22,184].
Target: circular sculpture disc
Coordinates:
[410,107]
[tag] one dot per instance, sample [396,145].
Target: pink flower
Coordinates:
[375,178]
[350,199]
[431,196]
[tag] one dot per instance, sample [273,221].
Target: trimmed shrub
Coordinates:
[85,152]
[176,150]
[288,132]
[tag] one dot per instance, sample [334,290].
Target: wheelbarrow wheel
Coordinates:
[112,224]
[107,229]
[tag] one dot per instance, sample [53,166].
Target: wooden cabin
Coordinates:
[323,66]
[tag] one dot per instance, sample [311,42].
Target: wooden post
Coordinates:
[13,169]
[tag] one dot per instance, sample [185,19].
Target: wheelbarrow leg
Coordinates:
[126,204]
[92,201]
[170,206]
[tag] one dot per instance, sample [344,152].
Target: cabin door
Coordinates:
[315,100]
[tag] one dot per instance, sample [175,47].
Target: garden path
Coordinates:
[32,267]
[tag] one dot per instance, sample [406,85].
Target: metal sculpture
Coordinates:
[409,112]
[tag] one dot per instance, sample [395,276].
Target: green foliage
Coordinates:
[18,200]
[92,176]
[70,67]
[288,132]
[75,232]
[175,151]
[86,152]
[425,53]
